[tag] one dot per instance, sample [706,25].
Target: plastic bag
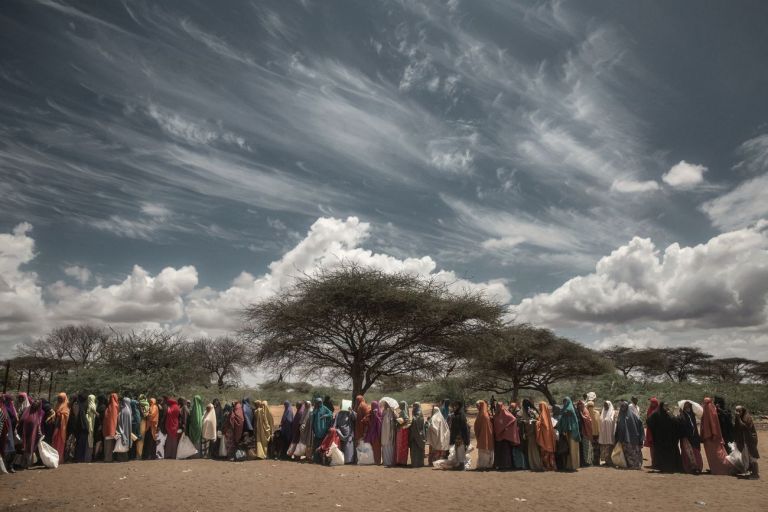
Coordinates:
[240,455]
[160,445]
[222,446]
[365,454]
[300,451]
[120,445]
[48,455]
[186,448]
[617,456]
[291,449]
[739,460]
[336,455]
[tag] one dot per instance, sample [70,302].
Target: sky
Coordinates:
[601,168]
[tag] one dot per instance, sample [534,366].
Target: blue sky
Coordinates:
[601,167]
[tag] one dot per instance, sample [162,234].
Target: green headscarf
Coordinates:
[144,403]
[569,422]
[90,416]
[195,422]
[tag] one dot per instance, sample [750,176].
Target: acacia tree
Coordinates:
[759,372]
[729,369]
[625,359]
[223,357]
[678,363]
[77,344]
[518,357]
[359,325]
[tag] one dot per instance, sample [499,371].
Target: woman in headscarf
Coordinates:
[322,452]
[373,431]
[725,418]
[172,428]
[459,434]
[98,429]
[713,441]
[208,432]
[666,438]
[195,423]
[81,418]
[185,409]
[585,430]
[7,440]
[90,425]
[484,437]
[690,442]
[262,427]
[529,416]
[607,432]
[29,427]
[445,410]
[286,430]
[745,436]
[568,429]
[219,424]
[362,411]
[629,432]
[109,426]
[247,415]
[519,451]
[506,436]
[388,434]
[149,449]
[402,440]
[438,436]
[545,437]
[295,435]
[228,432]
[322,417]
[135,429]
[162,407]
[653,406]
[306,430]
[417,436]
[345,428]
[59,440]
[143,412]
[125,427]
[595,417]
[73,428]
[6,461]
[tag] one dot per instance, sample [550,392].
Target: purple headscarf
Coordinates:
[298,419]
[287,420]
[374,425]
[10,408]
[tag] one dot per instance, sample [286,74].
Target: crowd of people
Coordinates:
[514,436]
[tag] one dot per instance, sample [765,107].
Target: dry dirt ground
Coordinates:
[268,485]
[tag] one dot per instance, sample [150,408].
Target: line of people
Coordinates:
[84,428]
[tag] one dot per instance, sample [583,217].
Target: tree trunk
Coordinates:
[548,395]
[356,375]
[220,381]
[515,391]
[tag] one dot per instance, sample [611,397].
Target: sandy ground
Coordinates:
[269,485]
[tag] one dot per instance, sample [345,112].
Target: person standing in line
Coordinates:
[388,435]
[438,436]
[484,437]
[417,436]
[746,440]
[373,431]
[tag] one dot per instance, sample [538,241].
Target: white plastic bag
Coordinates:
[291,449]
[120,445]
[336,455]
[737,459]
[160,445]
[186,448]
[222,446]
[48,455]
[300,451]
[365,454]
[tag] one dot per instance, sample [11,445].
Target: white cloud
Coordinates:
[631,186]
[742,206]
[754,153]
[155,210]
[82,274]
[684,175]
[138,299]
[171,298]
[21,303]
[329,242]
[721,283]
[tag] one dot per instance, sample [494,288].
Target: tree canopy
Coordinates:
[360,325]
[524,357]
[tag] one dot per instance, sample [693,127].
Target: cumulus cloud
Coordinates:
[81,274]
[172,299]
[329,242]
[139,298]
[631,186]
[21,303]
[721,283]
[684,175]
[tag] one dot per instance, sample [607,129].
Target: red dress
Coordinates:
[401,445]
